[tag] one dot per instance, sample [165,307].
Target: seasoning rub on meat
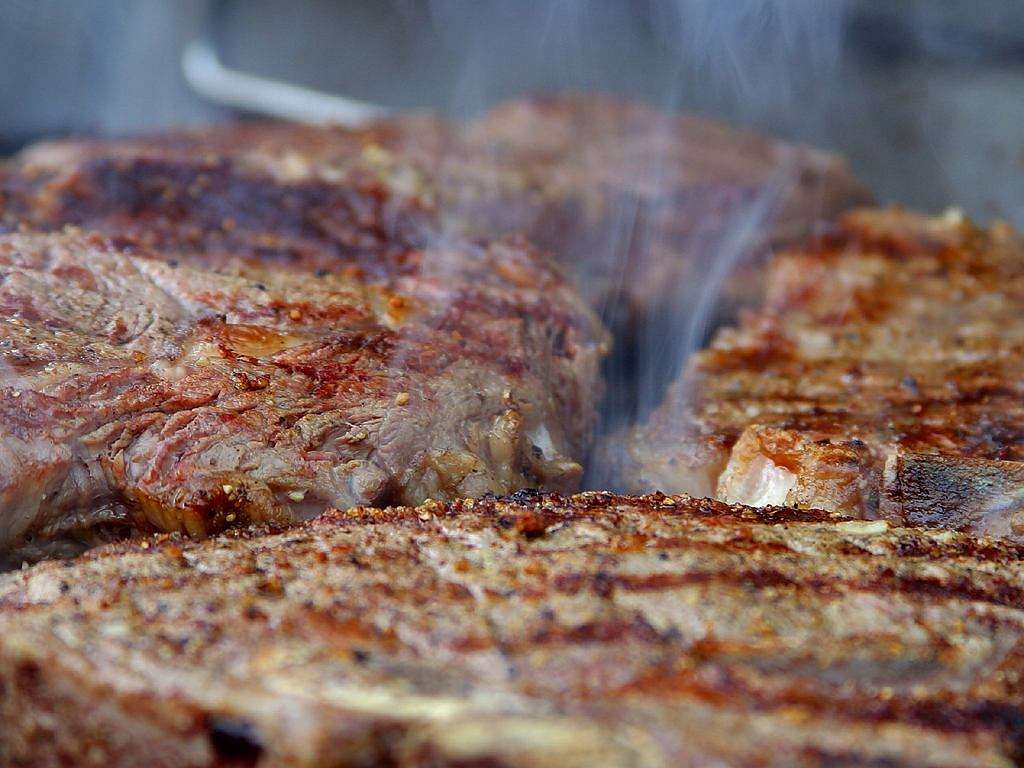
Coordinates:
[537,631]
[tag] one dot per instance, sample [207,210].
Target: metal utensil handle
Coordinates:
[207,76]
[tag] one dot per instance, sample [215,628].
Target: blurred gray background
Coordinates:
[926,97]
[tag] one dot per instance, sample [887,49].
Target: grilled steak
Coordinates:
[882,377]
[538,631]
[635,204]
[236,191]
[617,190]
[165,390]
[642,208]
[639,201]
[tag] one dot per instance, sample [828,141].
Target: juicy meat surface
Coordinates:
[267,220]
[535,631]
[164,390]
[882,376]
[634,204]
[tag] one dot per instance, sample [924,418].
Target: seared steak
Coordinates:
[539,631]
[635,204]
[644,208]
[883,376]
[166,390]
[257,215]
[234,191]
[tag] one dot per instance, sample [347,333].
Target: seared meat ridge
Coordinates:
[153,390]
[881,377]
[245,191]
[536,631]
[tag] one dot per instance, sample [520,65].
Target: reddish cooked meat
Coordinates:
[149,390]
[539,631]
[633,203]
[882,376]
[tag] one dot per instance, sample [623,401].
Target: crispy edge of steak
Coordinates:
[892,339]
[531,631]
[147,390]
[954,492]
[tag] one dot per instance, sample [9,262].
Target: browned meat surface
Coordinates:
[641,201]
[308,218]
[302,197]
[157,390]
[975,494]
[882,376]
[634,203]
[644,209]
[539,631]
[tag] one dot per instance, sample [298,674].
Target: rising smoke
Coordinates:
[764,64]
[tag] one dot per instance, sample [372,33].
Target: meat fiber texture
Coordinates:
[175,391]
[333,316]
[637,206]
[881,378]
[535,631]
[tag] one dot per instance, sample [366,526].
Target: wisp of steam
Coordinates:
[765,64]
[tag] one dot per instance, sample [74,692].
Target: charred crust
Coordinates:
[27,676]
[747,556]
[235,741]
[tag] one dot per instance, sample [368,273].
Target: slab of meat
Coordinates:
[881,377]
[539,631]
[639,202]
[636,205]
[626,194]
[289,194]
[162,390]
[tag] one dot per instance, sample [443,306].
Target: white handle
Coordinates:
[208,77]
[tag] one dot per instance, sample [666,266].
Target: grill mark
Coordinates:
[829,758]
[935,590]
[634,630]
[721,686]
[724,682]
